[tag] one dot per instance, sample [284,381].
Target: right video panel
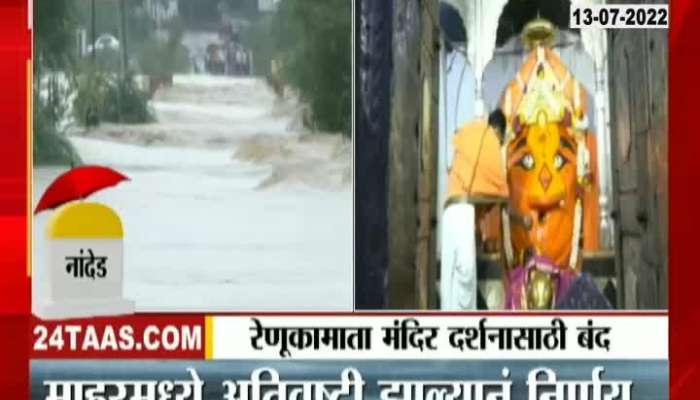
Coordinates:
[505,161]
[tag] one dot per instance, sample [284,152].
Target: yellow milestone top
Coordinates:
[81,220]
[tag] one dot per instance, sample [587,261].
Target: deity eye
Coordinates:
[527,162]
[559,161]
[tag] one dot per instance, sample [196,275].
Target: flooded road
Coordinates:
[230,206]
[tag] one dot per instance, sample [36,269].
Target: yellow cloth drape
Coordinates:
[477,163]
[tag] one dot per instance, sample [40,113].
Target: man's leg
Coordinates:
[458,285]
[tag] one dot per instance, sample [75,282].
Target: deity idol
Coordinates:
[549,156]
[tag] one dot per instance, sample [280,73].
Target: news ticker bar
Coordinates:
[353,380]
[347,336]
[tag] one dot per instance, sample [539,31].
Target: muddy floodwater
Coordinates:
[231,203]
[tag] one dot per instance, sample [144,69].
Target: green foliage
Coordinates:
[241,8]
[51,147]
[99,95]
[54,54]
[165,57]
[158,59]
[106,16]
[125,103]
[109,60]
[140,27]
[55,22]
[91,87]
[207,14]
[314,41]
[258,38]
[103,97]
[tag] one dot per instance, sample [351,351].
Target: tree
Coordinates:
[55,22]
[314,40]
[54,29]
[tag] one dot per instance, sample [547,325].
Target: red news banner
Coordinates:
[139,336]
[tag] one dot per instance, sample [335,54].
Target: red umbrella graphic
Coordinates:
[78,183]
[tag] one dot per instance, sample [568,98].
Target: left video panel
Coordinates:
[191,156]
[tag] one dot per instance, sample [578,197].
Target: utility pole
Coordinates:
[92,29]
[124,65]
[122,38]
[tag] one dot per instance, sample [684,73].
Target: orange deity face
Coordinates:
[542,179]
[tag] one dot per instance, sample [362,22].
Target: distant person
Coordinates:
[477,177]
[241,61]
[216,63]
[231,68]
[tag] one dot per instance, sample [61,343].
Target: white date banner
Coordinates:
[618,16]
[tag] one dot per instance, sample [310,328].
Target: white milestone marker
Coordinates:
[85,264]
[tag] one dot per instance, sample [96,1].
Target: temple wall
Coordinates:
[638,78]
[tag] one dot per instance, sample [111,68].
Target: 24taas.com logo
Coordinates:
[67,337]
